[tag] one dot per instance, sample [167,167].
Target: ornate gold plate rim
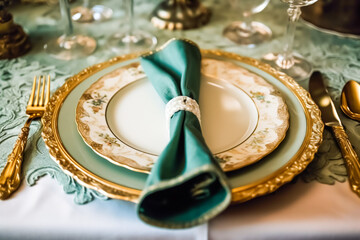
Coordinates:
[285,174]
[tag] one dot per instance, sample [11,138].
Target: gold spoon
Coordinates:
[350,100]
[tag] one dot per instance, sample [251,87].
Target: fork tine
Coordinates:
[41,103]
[37,93]
[47,90]
[31,99]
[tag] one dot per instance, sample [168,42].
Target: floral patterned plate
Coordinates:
[121,118]
[77,159]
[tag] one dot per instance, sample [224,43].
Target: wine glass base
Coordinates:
[96,13]
[70,47]
[254,34]
[299,69]
[138,41]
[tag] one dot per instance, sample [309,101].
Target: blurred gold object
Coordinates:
[180,14]
[350,100]
[13,40]
[10,177]
[335,15]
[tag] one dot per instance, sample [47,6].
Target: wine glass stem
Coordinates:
[247,22]
[286,59]
[130,17]
[65,14]
[86,4]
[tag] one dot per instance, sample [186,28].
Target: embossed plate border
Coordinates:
[268,184]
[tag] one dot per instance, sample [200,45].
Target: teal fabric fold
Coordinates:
[186,186]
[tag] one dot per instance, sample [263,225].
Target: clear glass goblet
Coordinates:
[69,45]
[89,13]
[248,32]
[287,61]
[131,39]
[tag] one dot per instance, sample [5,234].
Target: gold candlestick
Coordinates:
[180,14]
[13,40]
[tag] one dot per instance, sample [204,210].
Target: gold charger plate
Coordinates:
[76,159]
[121,117]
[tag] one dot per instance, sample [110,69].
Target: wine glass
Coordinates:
[87,13]
[131,40]
[292,64]
[248,32]
[69,46]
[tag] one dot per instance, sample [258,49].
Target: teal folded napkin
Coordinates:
[186,186]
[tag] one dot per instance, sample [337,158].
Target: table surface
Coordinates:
[318,204]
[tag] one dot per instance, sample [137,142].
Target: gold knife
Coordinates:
[331,119]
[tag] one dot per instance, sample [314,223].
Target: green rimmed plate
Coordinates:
[243,117]
[290,158]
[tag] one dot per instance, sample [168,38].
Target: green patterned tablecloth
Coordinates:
[337,57]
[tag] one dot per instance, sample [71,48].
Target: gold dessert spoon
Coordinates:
[350,100]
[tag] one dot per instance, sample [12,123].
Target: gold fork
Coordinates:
[10,177]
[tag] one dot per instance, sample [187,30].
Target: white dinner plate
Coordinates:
[122,118]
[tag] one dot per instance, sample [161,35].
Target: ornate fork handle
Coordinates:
[10,177]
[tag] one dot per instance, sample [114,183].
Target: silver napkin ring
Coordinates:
[181,103]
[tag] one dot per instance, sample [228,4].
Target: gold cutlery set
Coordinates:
[331,119]
[10,177]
